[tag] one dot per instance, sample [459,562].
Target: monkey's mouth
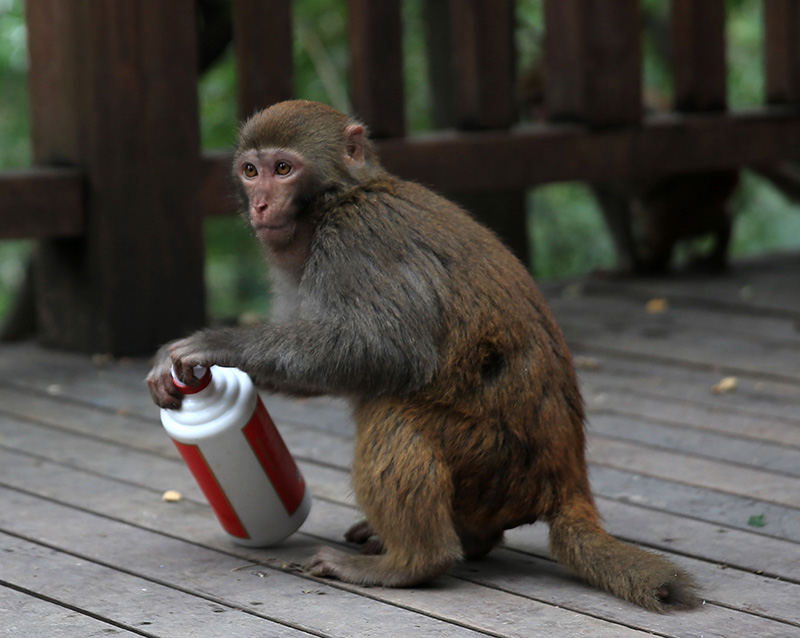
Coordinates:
[273,233]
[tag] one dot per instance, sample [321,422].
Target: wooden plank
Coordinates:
[714,475]
[482,36]
[308,443]
[124,62]
[263,44]
[157,473]
[26,614]
[94,454]
[698,54]
[782,51]
[376,65]
[40,203]
[720,582]
[593,61]
[142,606]
[538,154]
[150,556]
[684,440]
[672,340]
[673,394]
[760,286]
[457,599]
[682,503]
[256,589]
[113,502]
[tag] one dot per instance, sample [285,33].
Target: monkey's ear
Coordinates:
[354,144]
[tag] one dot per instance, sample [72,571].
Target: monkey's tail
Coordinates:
[580,543]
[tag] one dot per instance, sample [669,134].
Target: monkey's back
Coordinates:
[504,404]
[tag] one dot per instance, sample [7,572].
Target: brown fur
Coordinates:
[468,416]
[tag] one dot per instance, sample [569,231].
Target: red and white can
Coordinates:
[237,456]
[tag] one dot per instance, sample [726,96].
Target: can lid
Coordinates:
[200,372]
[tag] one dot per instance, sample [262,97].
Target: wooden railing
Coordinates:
[120,185]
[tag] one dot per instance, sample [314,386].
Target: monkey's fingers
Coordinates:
[164,392]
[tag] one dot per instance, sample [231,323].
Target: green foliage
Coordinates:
[568,234]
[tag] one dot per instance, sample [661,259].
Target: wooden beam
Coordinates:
[263,43]
[129,121]
[41,203]
[375,36]
[593,55]
[526,156]
[782,51]
[539,154]
[698,54]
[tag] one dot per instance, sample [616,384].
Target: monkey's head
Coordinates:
[289,153]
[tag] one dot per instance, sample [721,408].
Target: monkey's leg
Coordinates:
[406,492]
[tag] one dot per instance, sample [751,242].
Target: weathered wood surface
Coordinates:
[89,548]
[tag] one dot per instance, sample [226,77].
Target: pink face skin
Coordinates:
[272,178]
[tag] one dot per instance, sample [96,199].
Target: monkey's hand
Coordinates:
[159,381]
[204,348]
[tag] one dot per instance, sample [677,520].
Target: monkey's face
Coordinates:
[272,180]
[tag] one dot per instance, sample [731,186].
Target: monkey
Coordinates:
[468,416]
[648,218]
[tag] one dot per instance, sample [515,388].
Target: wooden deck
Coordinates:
[88,548]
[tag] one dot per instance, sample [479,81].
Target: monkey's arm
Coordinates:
[370,327]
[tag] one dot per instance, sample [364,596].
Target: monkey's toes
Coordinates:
[325,563]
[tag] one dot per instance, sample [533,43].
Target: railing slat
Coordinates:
[698,51]
[482,34]
[782,51]
[593,61]
[264,54]
[376,65]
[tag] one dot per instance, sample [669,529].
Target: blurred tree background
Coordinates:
[567,232]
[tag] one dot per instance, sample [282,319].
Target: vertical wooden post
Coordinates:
[482,33]
[483,60]
[782,55]
[376,65]
[593,61]
[698,54]
[262,35]
[114,91]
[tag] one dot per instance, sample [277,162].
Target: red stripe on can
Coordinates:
[208,482]
[274,456]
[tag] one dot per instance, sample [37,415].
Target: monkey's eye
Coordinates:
[283,168]
[250,170]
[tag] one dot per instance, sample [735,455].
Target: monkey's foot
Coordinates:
[363,534]
[327,562]
[372,571]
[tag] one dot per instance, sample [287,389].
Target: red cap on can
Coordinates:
[200,372]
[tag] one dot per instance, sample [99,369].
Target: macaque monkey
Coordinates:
[649,218]
[468,416]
